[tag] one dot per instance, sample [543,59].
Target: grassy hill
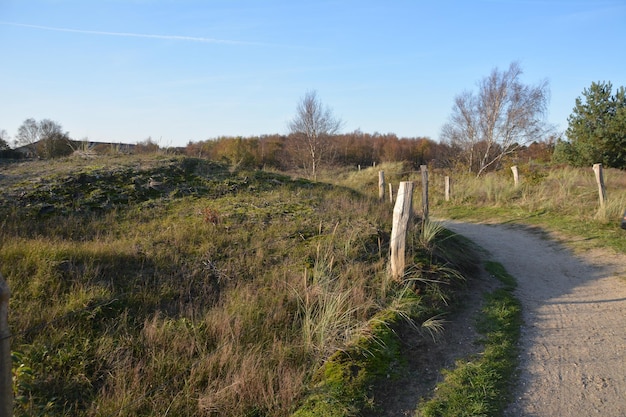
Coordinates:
[161,285]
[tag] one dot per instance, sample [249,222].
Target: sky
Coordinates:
[181,71]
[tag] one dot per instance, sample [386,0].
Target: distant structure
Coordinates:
[86,147]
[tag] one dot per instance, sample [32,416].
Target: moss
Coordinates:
[342,385]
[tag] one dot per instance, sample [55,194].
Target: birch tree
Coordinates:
[313,128]
[500,118]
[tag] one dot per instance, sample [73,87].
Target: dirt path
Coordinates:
[573,344]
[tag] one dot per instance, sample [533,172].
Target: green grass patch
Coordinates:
[480,386]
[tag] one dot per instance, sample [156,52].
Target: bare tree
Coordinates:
[46,138]
[313,126]
[502,117]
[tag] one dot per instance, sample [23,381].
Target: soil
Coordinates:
[573,340]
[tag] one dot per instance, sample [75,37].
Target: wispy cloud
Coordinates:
[136,35]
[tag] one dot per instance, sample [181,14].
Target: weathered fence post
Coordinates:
[381,185]
[390,193]
[424,170]
[597,168]
[447,188]
[402,212]
[6,379]
[515,175]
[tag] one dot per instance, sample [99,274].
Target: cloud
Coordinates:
[136,35]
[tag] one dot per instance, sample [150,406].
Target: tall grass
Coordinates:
[222,293]
[561,198]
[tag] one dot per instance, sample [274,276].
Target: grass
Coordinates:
[241,292]
[559,199]
[480,386]
[217,292]
[343,384]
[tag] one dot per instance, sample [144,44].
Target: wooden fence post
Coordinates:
[599,172]
[6,378]
[402,212]
[515,175]
[390,193]
[597,168]
[447,188]
[424,170]
[381,185]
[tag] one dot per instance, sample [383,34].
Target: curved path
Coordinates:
[573,341]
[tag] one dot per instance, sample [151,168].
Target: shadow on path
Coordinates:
[573,339]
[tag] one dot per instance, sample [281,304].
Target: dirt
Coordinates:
[573,341]
[427,356]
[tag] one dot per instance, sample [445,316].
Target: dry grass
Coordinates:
[219,295]
[563,199]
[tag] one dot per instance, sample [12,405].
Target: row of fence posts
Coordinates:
[403,208]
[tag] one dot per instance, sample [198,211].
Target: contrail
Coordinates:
[135,35]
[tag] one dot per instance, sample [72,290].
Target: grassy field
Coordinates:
[162,285]
[562,200]
[481,385]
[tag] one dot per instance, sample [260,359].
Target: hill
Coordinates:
[149,285]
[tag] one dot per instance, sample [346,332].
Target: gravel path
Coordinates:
[573,344]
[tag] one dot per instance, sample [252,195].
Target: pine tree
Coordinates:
[597,128]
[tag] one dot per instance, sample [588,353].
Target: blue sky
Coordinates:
[190,70]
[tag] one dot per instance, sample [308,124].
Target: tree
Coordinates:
[46,138]
[4,140]
[502,116]
[596,129]
[147,146]
[312,128]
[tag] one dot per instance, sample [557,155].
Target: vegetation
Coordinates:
[313,128]
[563,200]
[504,115]
[45,138]
[155,285]
[4,140]
[480,386]
[597,129]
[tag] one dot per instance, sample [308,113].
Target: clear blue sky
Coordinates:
[190,70]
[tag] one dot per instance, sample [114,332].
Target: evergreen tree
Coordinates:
[597,128]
